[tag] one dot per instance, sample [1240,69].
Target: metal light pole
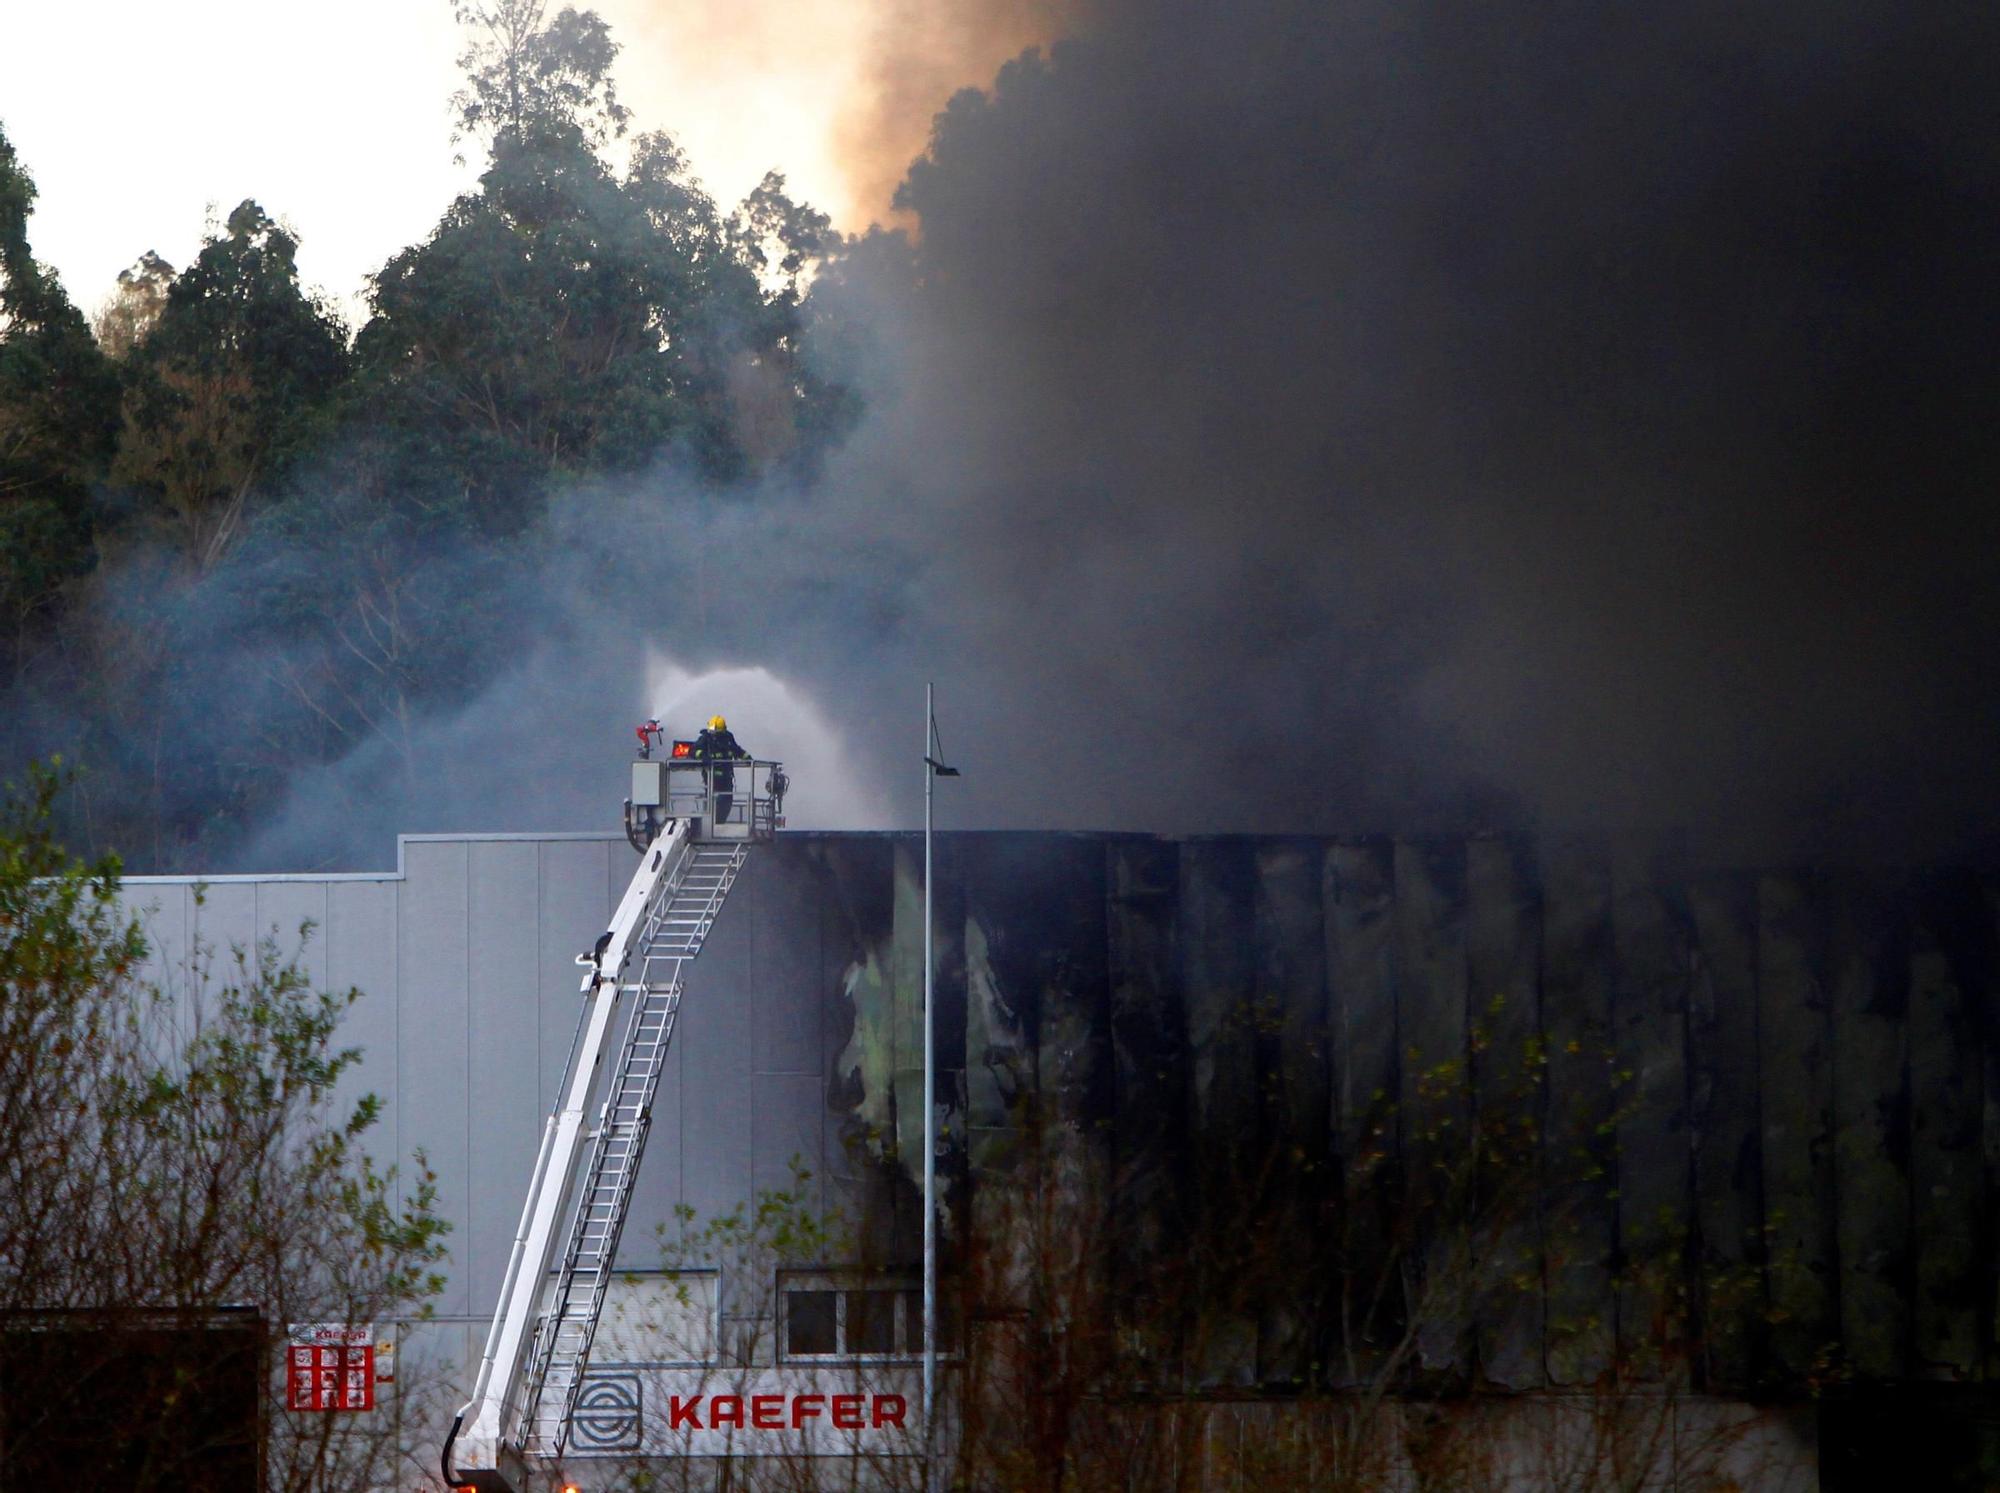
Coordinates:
[933,769]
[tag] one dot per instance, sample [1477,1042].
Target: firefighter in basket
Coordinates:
[716,749]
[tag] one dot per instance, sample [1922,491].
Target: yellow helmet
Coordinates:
[717,723]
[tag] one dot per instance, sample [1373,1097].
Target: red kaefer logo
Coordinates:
[777,1412]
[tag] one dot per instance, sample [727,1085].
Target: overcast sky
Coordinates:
[135,121]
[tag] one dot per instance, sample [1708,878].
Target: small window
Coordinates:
[811,1323]
[831,1316]
[871,1321]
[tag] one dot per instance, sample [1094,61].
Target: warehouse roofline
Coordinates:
[484,837]
[225,878]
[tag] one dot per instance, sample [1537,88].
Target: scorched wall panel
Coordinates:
[1782,1085]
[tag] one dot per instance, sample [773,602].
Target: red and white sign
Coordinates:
[796,1409]
[331,1366]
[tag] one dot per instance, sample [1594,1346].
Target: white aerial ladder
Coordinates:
[693,824]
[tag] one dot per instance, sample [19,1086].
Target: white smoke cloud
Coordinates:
[772,719]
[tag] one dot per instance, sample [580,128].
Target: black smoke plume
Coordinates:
[1363,416]
[1353,418]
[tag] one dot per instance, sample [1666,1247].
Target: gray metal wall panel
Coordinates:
[1289,977]
[162,912]
[1795,1057]
[788,1120]
[1728,1177]
[432,1059]
[1579,1206]
[785,971]
[1431,975]
[282,908]
[226,920]
[1503,939]
[360,936]
[573,909]
[1944,1133]
[714,1090]
[1357,885]
[504,1109]
[905,1012]
[1868,984]
[223,923]
[1217,889]
[1653,946]
[618,862]
[1149,1078]
[166,916]
[856,919]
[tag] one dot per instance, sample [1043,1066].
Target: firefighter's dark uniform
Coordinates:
[715,750]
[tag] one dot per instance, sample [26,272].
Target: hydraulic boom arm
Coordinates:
[484,1425]
[565,1246]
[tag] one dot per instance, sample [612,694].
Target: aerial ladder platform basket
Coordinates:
[693,823]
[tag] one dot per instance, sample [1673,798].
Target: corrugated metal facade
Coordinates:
[1811,1063]
[466,961]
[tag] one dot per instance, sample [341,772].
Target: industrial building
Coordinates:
[1785,1091]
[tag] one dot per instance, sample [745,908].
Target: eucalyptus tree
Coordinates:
[525,70]
[570,318]
[232,380]
[128,318]
[58,413]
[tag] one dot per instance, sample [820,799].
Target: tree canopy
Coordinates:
[526,73]
[237,539]
[231,379]
[58,418]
